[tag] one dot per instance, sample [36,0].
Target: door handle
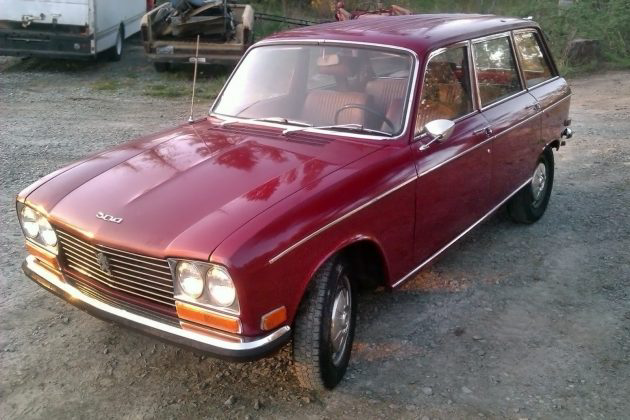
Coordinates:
[487,130]
[535,107]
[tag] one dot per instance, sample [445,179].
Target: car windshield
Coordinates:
[354,89]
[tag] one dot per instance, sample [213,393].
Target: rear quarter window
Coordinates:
[535,64]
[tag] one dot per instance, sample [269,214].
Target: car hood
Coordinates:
[182,192]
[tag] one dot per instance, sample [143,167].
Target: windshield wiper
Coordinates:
[357,128]
[277,120]
[282,120]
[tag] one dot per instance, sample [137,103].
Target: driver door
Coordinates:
[453,186]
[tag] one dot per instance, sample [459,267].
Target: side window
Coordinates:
[535,66]
[446,92]
[497,76]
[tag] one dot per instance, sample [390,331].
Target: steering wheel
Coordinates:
[386,120]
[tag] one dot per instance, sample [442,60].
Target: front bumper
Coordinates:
[216,344]
[29,43]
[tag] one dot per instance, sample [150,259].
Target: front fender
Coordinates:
[273,257]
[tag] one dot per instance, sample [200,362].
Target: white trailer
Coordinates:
[68,28]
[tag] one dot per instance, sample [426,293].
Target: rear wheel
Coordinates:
[530,203]
[324,327]
[116,52]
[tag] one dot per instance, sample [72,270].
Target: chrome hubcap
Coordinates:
[340,325]
[539,184]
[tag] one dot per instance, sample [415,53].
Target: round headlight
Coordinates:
[190,279]
[30,223]
[46,232]
[221,287]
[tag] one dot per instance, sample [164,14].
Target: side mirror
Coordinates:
[440,130]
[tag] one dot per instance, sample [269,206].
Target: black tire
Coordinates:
[317,365]
[162,67]
[527,206]
[115,53]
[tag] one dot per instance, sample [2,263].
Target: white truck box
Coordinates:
[67,28]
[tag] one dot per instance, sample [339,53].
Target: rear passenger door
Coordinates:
[513,114]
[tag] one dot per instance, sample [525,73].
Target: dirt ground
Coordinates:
[513,322]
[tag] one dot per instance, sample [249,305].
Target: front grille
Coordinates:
[143,277]
[90,290]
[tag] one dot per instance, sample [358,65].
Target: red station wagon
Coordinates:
[337,156]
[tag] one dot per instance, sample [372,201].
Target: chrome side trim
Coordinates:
[445,247]
[543,82]
[558,102]
[339,219]
[499,102]
[410,92]
[55,280]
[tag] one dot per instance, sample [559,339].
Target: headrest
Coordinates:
[334,65]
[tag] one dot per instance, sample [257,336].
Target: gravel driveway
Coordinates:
[513,322]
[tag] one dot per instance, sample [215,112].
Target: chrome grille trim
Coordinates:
[110,300]
[142,276]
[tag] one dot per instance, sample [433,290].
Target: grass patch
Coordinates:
[209,89]
[206,88]
[166,90]
[107,85]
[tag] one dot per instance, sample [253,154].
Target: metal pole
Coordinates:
[192,100]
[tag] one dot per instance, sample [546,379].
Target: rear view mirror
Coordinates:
[439,130]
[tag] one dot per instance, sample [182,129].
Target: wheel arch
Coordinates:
[366,257]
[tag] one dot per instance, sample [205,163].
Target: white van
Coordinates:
[68,28]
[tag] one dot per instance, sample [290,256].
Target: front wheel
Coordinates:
[530,203]
[324,327]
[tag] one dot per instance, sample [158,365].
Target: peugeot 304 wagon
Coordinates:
[337,157]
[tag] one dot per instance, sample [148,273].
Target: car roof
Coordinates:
[419,33]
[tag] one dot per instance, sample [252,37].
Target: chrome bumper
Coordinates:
[244,348]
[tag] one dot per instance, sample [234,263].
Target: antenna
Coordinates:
[192,99]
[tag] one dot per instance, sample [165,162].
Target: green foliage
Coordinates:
[604,20]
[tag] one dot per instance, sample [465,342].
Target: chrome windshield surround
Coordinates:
[411,90]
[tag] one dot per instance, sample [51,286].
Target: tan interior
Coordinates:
[387,98]
[443,95]
[320,107]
